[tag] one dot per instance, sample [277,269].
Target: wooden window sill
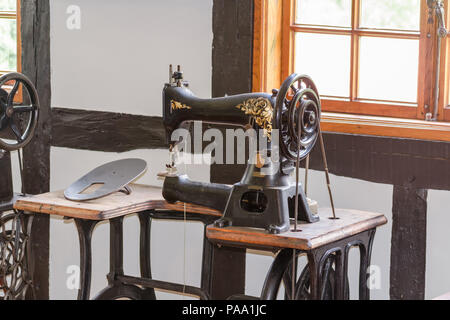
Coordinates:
[386,127]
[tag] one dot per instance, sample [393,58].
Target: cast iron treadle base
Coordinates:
[137,288]
[325,276]
[15,279]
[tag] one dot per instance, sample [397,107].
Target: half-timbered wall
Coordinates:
[117,63]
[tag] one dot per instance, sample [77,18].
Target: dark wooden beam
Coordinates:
[6,186]
[232,52]
[232,74]
[395,161]
[35,28]
[106,131]
[408,245]
[232,64]
[423,164]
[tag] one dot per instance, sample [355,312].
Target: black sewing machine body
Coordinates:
[265,196]
[181,106]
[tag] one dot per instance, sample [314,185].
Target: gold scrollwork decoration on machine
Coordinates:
[175,105]
[262,112]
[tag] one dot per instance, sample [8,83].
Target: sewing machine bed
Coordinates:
[118,204]
[311,236]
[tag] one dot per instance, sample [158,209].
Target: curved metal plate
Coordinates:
[113,176]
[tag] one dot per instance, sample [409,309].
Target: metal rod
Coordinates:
[294,274]
[297,181]
[157,284]
[297,177]
[306,175]
[22,189]
[327,173]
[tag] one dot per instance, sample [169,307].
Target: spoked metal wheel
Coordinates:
[19,111]
[303,287]
[297,104]
[125,292]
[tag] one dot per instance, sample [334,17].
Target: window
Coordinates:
[362,54]
[374,61]
[9,36]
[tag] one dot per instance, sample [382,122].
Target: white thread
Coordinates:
[184,238]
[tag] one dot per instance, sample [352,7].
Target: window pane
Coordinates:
[324,12]
[8,45]
[388,69]
[389,14]
[326,58]
[8,5]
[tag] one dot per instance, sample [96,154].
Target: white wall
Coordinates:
[118,62]
[438,244]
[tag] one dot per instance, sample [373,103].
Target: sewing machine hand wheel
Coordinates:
[17,120]
[297,103]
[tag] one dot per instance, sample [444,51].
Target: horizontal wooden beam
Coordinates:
[106,131]
[396,161]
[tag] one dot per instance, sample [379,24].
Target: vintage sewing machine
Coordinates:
[289,120]
[19,112]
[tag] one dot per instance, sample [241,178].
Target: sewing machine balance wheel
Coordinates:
[19,111]
[297,103]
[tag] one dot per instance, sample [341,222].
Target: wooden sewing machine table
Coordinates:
[324,242]
[147,202]
[320,241]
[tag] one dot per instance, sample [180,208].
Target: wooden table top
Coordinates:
[118,204]
[8,205]
[311,236]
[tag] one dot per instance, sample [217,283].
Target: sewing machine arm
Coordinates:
[182,106]
[181,188]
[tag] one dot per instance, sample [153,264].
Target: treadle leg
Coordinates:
[115,260]
[346,282]
[115,248]
[85,229]
[145,220]
[116,289]
[365,253]
[340,275]
[28,225]
[207,262]
[314,269]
